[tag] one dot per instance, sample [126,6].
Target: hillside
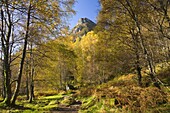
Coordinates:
[122,95]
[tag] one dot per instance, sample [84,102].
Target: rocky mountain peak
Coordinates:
[83,26]
[84,20]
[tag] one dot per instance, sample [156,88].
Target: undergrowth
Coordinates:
[122,94]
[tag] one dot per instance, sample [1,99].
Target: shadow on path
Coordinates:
[67,109]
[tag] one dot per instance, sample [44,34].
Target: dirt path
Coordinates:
[67,109]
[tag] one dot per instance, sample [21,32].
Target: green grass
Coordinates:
[39,105]
[102,98]
[53,97]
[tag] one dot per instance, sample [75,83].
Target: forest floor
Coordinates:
[120,95]
[60,103]
[111,97]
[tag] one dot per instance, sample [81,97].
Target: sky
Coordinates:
[85,8]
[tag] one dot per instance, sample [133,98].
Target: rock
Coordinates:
[83,26]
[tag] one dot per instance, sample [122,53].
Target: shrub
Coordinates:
[129,99]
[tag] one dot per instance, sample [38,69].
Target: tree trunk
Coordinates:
[148,59]
[31,76]
[5,39]
[31,90]
[7,85]
[23,58]
[3,78]
[27,89]
[27,78]
[60,72]
[137,61]
[164,7]
[27,81]
[138,70]
[135,18]
[3,89]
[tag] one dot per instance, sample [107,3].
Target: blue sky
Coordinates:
[85,8]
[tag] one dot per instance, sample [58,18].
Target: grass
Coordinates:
[39,105]
[54,97]
[121,94]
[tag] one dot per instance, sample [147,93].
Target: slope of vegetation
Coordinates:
[123,95]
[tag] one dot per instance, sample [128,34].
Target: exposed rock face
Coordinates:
[83,26]
[85,20]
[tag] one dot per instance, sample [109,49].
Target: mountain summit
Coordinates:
[83,26]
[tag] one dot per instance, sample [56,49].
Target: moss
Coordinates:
[54,97]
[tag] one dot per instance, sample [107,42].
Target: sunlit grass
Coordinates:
[53,97]
[102,98]
[39,105]
[126,77]
[49,107]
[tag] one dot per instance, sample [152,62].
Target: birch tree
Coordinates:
[17,16]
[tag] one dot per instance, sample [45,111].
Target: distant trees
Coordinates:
[16,19]
[86,61]
[58,64]
[99,58]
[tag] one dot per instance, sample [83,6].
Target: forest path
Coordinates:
[67,108]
